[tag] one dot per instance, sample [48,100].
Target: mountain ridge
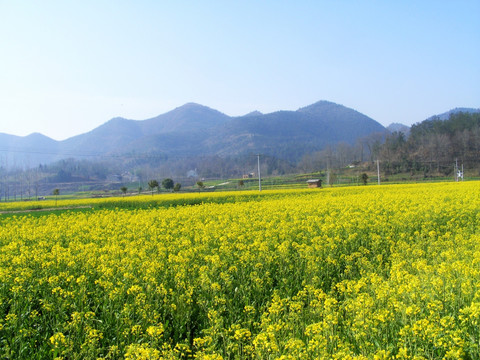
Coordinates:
[445,115]
[193,129]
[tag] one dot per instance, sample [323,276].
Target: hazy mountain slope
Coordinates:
[34,141]
[103,139]
[184,143]
[291,134]
[397,127]
[121,135]
[346,124]
[189,117]
[265,133]
[446,115]
[176,132]
[253,113]
[28,150]
[193,129]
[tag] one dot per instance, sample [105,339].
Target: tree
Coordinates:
[364,178]
[56,192]
[152,184]
[124,190]
[200,184]
[167,183]
[177,187]
[63,176]
[241,183]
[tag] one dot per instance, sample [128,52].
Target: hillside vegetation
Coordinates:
[434,145]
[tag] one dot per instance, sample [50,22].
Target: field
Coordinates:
[366,272]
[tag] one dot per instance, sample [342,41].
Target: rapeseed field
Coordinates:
[370,272]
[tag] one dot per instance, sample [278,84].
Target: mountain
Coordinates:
[346,123]
[32,141]
[253,113]
[397,127]
[446,115]
[27,151]
[194,129]
[291,134]
[103,139]
[190,117]
[120,135]
[284,134]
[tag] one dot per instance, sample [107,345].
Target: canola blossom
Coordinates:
[375,272]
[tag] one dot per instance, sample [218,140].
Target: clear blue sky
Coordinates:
[66,67]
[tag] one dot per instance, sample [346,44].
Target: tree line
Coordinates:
[433,146]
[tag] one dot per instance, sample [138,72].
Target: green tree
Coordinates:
[152,184]
[177,187]
[124,190]
[364,178]
[200,184]
[167,184]
[241,183]
[56,192]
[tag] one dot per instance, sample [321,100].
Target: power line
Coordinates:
[10,150]
[98,155]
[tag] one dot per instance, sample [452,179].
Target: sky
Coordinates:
[67,67]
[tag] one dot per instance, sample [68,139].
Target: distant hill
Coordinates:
[284,134]
[446,115]
[435,146]
[120,134]
[194,129]
[189,117]
[396,127]
[27,151]
[291,134]
[253,113]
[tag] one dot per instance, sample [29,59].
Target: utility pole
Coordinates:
[378,172]
[328,169]
[456,171]
[259,177]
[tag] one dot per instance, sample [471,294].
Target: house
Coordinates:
[114,178]
[249,175]
[314,183]
[192,173]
